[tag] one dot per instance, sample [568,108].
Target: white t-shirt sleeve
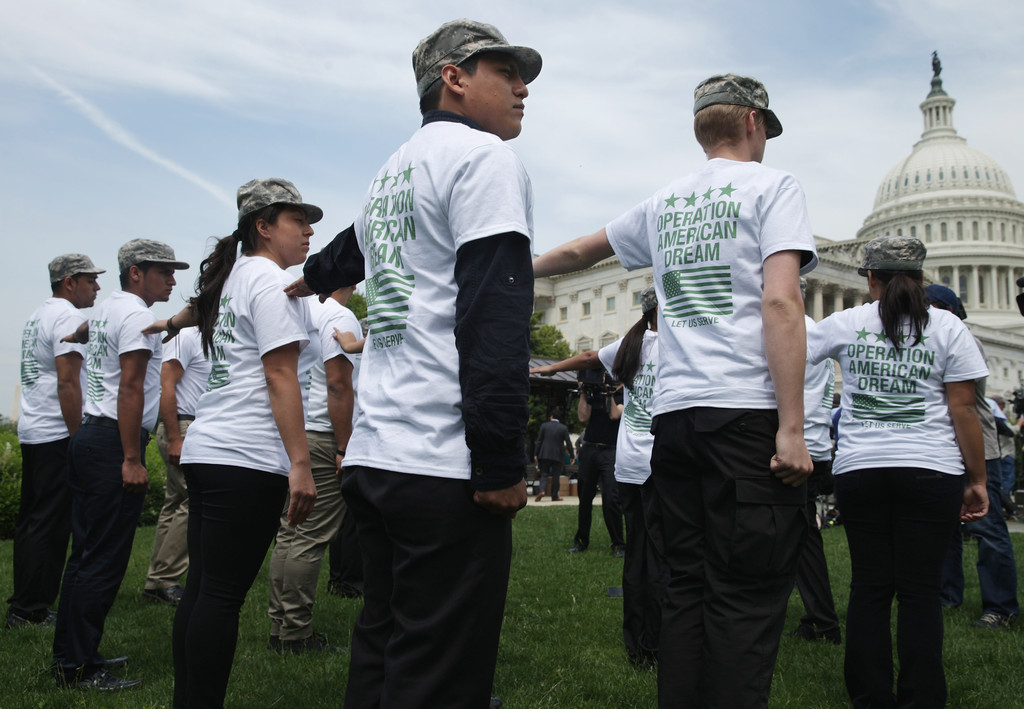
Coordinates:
[785,226]
[130,337]
[277,319]
[627,236]
[821,340]
[64,325]
[489,195]
[964,361]
[607,355]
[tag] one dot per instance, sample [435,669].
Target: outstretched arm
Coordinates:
[584,360]
[574,255]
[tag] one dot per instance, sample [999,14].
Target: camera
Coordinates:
[1018,401]
[595,386]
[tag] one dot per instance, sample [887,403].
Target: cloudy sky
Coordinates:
[124,119]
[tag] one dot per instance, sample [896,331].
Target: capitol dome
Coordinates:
[961,204]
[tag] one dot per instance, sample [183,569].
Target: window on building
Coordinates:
[974,230]
[959,231]
[608,338]
[942,230]
[609,304]
[586,309]
[913,231]
[563,314]
[927,232]
[637,299]
[584,344]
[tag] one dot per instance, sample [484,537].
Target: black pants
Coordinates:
[898,522]
[812,569]
[732,534]
[346,563]
[643,578]
[233,515]
[436,575]
[549,469]
[103,522]
[43,528]
[598,463]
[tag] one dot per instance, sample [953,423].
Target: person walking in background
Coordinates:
[910,432]
[299,549]
[183,378]
[552,446]
[51,412]
[727,244]
[106,462]
[245,455]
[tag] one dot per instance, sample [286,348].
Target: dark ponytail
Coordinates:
[215,269]
[903,299]
[627,359]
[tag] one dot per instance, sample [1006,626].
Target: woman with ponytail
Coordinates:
[246,454]
[632,360]
[910,465]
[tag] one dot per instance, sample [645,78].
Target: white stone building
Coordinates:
[954,198]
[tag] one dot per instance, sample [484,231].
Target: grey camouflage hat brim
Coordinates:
[735,90]
[259,193]
[71,265]
[456,41]
[893,253]
[139,251]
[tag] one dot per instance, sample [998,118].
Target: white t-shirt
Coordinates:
[468,185]
[41,420]
[187,349]
[635,442]
[326,316]
[115,328]
[706,236]
[234,422]
[819,388]
[894,407]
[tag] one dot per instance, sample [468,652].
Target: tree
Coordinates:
[547,340]
[357,304]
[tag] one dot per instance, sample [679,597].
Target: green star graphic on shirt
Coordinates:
[879,336]
[225,301]
[691,200]
[923,338]
[862,334]
[707,195]
[727,190]
[650,366]
[671,201]
[383,181]
[395,183]
[407,174]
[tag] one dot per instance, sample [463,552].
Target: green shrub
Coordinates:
[10,481]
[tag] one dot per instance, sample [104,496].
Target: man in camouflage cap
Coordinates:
[728,244]
[51,410]
[440,494]
[106,462]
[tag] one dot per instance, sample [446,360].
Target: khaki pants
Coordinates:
[298,551]
[169,561]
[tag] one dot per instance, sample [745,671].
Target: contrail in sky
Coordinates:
[120,135]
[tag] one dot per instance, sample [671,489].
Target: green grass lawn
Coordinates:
[561,645]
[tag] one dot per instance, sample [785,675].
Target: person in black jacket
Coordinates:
[553,443]
[435,467]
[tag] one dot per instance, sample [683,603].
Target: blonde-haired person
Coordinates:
[246,454]
[910,432]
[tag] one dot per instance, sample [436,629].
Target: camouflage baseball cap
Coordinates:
[139,251]
[257,194]
[71,265]
[456,41]
[648,299]
[734,90]
[893,253]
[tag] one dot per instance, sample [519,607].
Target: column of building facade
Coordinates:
[991,297]
[954,282]
[972,287]
[817,300]
[837,300]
